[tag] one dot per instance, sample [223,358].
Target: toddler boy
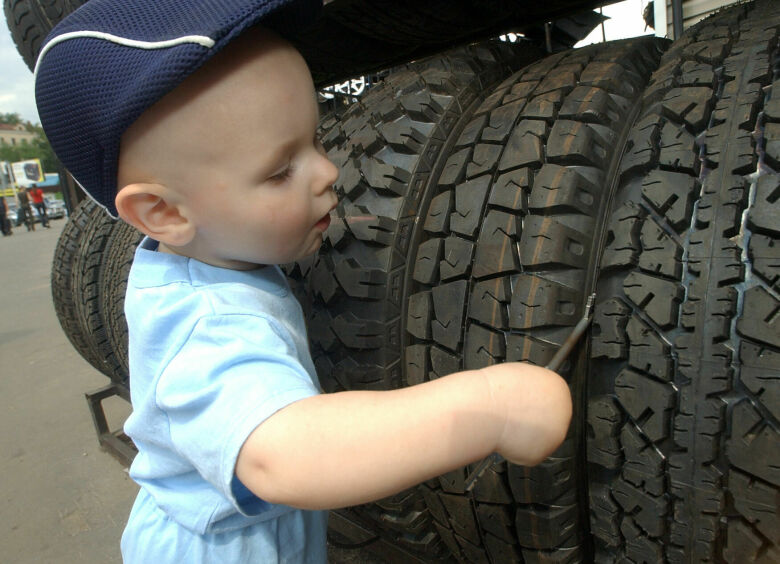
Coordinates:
[213,155]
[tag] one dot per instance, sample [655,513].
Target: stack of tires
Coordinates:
[641,171]
[468,246]
[88,281]
[483,199]
[648,179]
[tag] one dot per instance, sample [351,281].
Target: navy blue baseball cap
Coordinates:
[102,66]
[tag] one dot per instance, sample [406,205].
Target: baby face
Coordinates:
[237,148]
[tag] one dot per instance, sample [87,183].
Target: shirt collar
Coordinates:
[154,268]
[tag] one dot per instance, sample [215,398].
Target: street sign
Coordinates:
[28,172]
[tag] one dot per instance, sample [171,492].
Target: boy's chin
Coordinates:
[250,263]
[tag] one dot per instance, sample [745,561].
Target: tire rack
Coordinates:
[116,443]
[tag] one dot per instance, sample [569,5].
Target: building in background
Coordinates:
[15,134]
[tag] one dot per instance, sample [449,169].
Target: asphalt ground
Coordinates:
[64,499]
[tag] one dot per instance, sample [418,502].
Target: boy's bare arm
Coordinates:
[348,448]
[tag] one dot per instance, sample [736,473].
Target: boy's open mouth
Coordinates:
[323,224]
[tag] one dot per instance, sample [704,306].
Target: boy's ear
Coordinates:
[146,207]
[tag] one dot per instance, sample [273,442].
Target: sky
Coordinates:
[16,80]
[625,21]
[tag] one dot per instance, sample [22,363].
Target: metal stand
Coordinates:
[116,443]
[677,18]
[548,36]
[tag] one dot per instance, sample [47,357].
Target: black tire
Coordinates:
[31,20]
[502,273]
[684,409]
[86,269]
[389,147]
[117,258]
[64,289]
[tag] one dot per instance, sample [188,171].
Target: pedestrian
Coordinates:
[5,223]
[36,195]
[214,157]
[24,212]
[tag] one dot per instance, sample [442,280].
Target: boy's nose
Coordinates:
[328,174]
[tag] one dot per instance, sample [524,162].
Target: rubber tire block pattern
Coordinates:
[30,21]
[87,267]
[501,273]
[118,257]
[66,285]
[683,449]
[389,147]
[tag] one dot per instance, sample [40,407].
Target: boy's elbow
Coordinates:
[264,482]
[257,468]
[269,464]
[251,471]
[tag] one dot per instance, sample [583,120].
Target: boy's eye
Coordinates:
[281,176]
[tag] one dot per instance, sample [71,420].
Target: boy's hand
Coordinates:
[536,407]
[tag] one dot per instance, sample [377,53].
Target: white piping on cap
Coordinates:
[201,40]
[91,197]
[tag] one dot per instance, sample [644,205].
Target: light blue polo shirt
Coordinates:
[213,353]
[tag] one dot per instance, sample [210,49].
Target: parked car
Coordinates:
[55,208]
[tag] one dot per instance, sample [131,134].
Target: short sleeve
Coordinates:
[231,374]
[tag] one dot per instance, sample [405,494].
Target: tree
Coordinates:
[10,118]
[39,148]
[49,160]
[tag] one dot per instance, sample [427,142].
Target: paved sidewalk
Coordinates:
[64,500]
